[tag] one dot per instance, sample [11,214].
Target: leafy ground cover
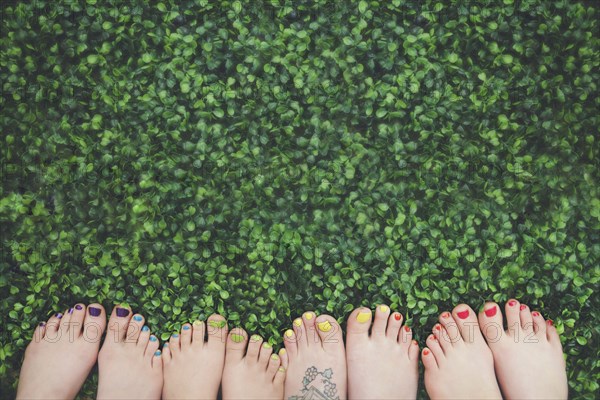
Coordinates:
[261,158]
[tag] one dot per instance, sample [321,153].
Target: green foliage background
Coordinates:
[259,159]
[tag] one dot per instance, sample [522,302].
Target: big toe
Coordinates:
[359,322]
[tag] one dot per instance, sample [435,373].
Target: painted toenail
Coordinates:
[216,324]
[407,328]
[289,333]
[512,303]
[94,312]
[145,328]
[255,338]
[153,338]
[186,327]
[438,327]
[535,314]
[324,326]
[78,307]
[122,312]
[275,357]
[237,338]
[58,315]
[281,369]
[157,353]
[308,315]
[298,322]
[71,310]
[445,314]
[415,342]
[491,311]
[522,307]
[166,344]
[267,345]
[550,322]
[363,317]
[384,308]
[463,314]
[282,352]
[197,323]
[42,324]
[397,317]
[175,336]
[425,352]
[137,318]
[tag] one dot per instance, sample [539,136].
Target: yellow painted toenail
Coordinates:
[216,324]
[363,316]
[237,338]
[324,326]
[275,357]
[282,352]
[267,345]
[298,322]
[384,308]
[308,315]
[281,369]
[197,323]
[289,333]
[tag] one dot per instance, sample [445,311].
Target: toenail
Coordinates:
[445,314]
[438,327]
[289,333]
[550,322]
[137,318]
[255,338]
[153,338]
[267,345]
[522,307]
[145,328]
[275,357]
[216,324]
[491,311]
[282,352]
[42,324]
[94,312]
[166,344]
[463,314]
[122,312]
[512,303]
[281,369]
[71,310]
[175,336]
[58,315]
[324,326]
[186,327]
[298,322]
[397,317]
[363,316]
[425,352]
[384,308]
[415,342]
[535,314]
[197,323]
[157,353]
[237,338]
[78,307]
[308,315]
[407,328]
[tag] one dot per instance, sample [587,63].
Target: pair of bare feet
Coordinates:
[380,360]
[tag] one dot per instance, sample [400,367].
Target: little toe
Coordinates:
[38,333]
[300,332]
[490,323]
[186,336]
[118,323]
[552,334]
[359,322]
[310,330]
[284,358]
[216,327]
[94,323]
[382,313]
[266,350]
[330,334]
[198,332]
[429,360]
[273,366]
[434,345]
[513,319]
[468,326]
[393,326]
[53,327]
[236,345]
[526,319]
[157,362]
[279,378]
[166,354]
[254,348]
[136,323]
[539,324]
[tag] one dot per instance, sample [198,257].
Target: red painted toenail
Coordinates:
[425,352]
[535,314]
[512,303]
[407,329]
[438,327]
[415,342]
[550,322]
[463,314]
[398,317]
[523,306]
[491,312]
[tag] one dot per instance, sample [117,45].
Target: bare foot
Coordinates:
[129,363]
[458,363]
[256,375]
[383,365]
[192,366]
[315,360]
[528,355]
[62,353]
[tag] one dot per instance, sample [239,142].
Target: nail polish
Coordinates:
[137,318]
[175,336]
[463,314]
[438,327]
[363,316]
[157,353]
[166,344]
[237,338]
[281,369]
[324,326]
[289,333]
[267,345]
[535,314]
[282,352]
[550,322]
[42,324]
[153,338]
[216,324]
[58,315]
[415,342]
[407,328]
[275,357]
[79,307]
[384,309]
[145,328]
[397,317]
[308,315]
[94,312]
[491,311]
[71,310]
[512,303]
[122,312]
[522,307]
[186,328]
[298,322]
[425,352]
[445,314]
[255,338]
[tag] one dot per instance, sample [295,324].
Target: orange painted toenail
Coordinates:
[512,303]
[438,327]
[491,312]
[535,314]
[550,322]
[397,317]
[445,315]
[523,306]
[463,314]
[407,328]
[425,352]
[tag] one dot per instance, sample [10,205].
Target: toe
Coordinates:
[134,329]
[217,331]
[166,354]
[359,322]
[490,323]
[290,343]
[94,323]
[175,344]
[513,319]
[144,337]
[382,314]
[284,358]
[53,327]
[274,364]
[539,324]
[310,330]
[443,339]
[525,318]
[118,323]
[157,362]
[466,319]
[405,336]
[198,333]
[393,325]
[279,376]
[38,333]
[266,350]
[236,345]
[254,348]
[451,327]
[413,351]
[300,332]
[330,334]
[77,318]
[434,345]
[151,347]
[186,336]
[552,334]
[65,320]
[428,359]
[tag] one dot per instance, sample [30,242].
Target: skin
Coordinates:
[384,364]
[61,354]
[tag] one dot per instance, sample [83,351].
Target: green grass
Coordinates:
[259,159]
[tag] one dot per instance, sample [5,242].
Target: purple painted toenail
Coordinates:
[71,310]
[122,312]
[42,324]
[58,315]
[94,312]
[78,307]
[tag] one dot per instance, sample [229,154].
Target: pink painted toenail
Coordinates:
[463,314]
[550,322]
[512,303]
[523,306]
[491,312]
[535,314]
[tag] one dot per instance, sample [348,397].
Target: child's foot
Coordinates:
[383,365]
[256,375]
[62,353]
[193,367]
[458,363]
[315,361]
[129,363]
[528,356]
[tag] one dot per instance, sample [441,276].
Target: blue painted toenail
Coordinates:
[145,329]
[137,318]
[153,338]
[157,353]
[175,335]
[186,327]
